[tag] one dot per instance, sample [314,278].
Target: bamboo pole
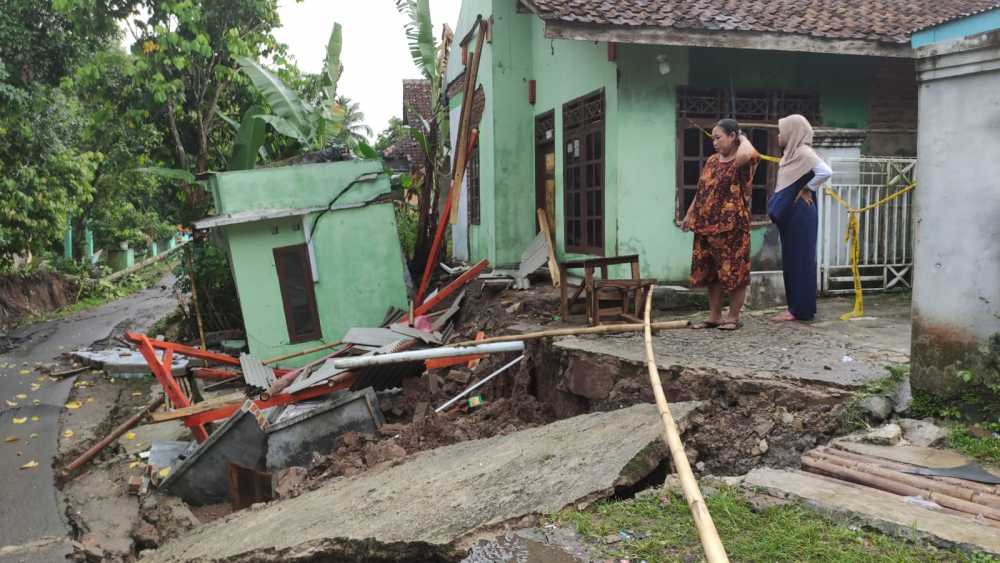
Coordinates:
[301,353]
[194,299]
[853,475]
[972,485]
[926,483]
[576,331]
[715,552]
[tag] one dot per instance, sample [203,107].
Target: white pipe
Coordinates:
[474,387]
[430,354]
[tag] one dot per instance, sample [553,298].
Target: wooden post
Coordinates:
[714,550]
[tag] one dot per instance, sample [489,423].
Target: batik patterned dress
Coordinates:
[720,219]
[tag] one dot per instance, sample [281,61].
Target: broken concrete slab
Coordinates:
[291,442]
[125,363]
[443,495]
[201,478]
[883,511]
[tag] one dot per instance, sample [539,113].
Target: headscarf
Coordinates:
[799,157]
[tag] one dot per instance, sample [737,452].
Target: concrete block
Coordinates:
[292,441]
[767,290]
[202,478]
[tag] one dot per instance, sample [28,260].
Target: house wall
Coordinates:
[357,254]
[956,279]
[640,129]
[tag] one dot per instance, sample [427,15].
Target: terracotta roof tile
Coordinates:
[890,21]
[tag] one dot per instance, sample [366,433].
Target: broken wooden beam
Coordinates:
[122,428]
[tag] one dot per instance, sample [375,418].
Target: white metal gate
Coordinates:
[886,233]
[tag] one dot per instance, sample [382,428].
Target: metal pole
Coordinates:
[477,385]
[430,354]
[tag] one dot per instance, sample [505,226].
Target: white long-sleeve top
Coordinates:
[822,173]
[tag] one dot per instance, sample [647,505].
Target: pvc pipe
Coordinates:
[430,354]
[477,385]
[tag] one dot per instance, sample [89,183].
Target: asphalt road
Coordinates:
[33,526]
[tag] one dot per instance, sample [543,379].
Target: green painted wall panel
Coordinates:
[299,186]
[648,160]
[360,271]
[358,258]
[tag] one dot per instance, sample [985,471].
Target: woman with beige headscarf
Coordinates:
[793,210]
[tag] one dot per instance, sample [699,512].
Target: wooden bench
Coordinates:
[604,298]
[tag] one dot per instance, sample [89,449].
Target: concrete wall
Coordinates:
[357,254]
[956,296]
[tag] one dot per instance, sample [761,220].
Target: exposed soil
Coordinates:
[32,294]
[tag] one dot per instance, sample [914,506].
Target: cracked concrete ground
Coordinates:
[828,350]
[441,496]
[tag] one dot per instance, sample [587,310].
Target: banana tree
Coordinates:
[313,126]
[431,130]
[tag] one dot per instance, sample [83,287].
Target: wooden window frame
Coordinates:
[581,129]
[757,111]
[474,187]
[764,179]
[295,337]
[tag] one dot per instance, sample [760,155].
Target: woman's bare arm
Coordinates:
[744,152]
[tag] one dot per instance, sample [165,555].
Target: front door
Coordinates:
[545,167]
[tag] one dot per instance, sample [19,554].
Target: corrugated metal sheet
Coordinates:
[255,373]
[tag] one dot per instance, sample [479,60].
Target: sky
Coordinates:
[375,55]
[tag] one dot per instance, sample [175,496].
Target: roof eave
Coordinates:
[555,29]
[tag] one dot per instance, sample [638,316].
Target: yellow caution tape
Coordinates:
[853,236]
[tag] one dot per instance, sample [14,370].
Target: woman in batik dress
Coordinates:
[719,216]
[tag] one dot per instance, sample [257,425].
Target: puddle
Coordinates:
[529,546]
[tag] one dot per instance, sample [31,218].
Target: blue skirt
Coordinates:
[798,225]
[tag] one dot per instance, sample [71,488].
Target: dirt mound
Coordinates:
[35,293]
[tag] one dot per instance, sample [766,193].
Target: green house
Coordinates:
[314,251]
[594,111]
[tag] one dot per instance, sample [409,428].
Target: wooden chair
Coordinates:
[605,298]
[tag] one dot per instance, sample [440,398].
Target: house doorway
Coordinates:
[545,167]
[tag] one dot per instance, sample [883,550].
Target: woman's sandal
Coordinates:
[731,325]
[705,324]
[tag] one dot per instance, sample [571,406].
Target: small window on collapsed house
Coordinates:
[698,109]
[472,174]
[297,293]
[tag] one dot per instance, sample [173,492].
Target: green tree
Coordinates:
[353,126]
[46,174]
[44,178]
[127,205]
[393,133]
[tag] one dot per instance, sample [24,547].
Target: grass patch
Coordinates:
[662,531]
[984,449]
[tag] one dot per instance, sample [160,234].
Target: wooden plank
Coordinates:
[554,270]
[534,256]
